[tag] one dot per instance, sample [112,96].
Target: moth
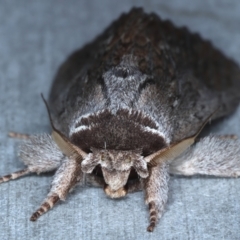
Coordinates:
[126,110]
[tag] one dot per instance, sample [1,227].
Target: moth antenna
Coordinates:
[49,114]
[62,141]
[176,149]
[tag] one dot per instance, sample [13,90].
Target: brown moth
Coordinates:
[126,110]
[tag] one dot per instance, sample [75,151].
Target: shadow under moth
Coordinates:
[126,110]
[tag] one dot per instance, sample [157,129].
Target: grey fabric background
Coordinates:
[35,37]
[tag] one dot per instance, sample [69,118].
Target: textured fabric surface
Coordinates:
[35,37]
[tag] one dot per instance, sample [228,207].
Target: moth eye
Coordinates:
[128,160]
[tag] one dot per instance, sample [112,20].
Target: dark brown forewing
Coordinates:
[190,78]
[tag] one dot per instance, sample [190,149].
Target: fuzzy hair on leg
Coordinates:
[212,155]
[40,153]
[67,176]
[156,192]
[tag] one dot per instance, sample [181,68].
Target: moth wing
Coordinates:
[189,77]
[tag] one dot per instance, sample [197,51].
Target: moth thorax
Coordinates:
[116,165]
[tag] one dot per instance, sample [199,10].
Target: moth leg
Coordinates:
[18,135]
[66,177]
[46,206]
[14,175]
[210,156]
[156,192]
[40,154]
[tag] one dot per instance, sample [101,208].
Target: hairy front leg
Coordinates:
[40,154]
[66,177]
[156,192]
[214,155]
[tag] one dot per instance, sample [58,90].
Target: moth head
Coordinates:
[116,166]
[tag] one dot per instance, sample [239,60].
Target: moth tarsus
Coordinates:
[14,175]
[125,110]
